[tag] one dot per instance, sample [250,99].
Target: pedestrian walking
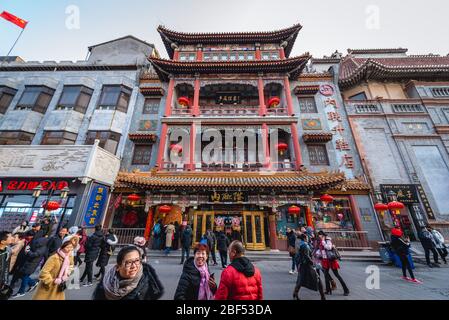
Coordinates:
[241,280]
[186,243]
[157,234]
[329,261]
[33,256]
[440,244]
[22,228]
[129,279]
[291,240]
[401,246]
[307,274]
[56,272]
[55,242]
[211,243]
[196,282]
[222,246]
[82,246]
[169,236]
[5,256]
[429,245]
[93,247]
[17,245]
[107,248]
[175,245]
[140,242]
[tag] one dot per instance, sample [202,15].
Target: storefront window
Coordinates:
[130,217]
[335,216]
[286,220]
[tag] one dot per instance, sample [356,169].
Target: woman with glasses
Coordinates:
[129,279]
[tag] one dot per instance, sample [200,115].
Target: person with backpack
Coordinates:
[93,247]
[186,243]
[107,247]
[329,261]
[157,234]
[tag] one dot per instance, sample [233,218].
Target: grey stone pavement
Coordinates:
[278,284]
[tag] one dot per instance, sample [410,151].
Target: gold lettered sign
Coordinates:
[232,196]
[425,202]
[228,98]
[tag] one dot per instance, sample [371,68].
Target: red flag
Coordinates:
[12,18]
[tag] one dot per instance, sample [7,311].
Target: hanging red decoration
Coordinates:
[164,209]
[326,198]
[176,147]
[282,147]
[395,205]
[51,205]
[133,197]
[184,101]
[294,210]
[274,102]
[380,207]
[130,219]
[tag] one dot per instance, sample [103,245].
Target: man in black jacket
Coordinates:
[186,242]
[427,241]
[55,242]
[5,242]
[222,246]
[211,242]
[93,246]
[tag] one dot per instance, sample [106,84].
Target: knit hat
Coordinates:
[139,241]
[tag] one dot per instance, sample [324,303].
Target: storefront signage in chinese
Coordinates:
[96,205]
[405,193]
[425,202]
[24,185]
[228,98]
[236,196]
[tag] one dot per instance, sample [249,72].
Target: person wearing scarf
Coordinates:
[129,279]
[56,270]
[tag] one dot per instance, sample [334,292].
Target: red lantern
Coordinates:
[294,210]
[282,147]
[133,197]
[274,102]
[184,101]
[380,207]
[326,198]
[51,206]
[176,147]
[130,219]
[396,206]
[164,209]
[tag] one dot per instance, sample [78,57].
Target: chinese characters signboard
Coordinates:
[23,185]
[236,196]
[96,205]
[228,98]
[406,193]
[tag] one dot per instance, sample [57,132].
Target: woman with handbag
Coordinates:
[329,261]
[129,279]
[55,273]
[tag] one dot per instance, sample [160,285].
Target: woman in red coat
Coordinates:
[241,280]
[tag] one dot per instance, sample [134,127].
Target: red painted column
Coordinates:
[262,106]
[357,221]
[272,230]
[266,145]
[199,54]
[196,98]
[176,54]
[296,146]
[258,54]
[288,96]
[162,142]
[309,218]
[192,146]
[282,53]
[149,224]
[168,103]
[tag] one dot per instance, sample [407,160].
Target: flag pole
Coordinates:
[12,48]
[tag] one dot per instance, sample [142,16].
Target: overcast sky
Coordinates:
[328,25]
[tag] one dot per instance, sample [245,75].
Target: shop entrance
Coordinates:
[245,226]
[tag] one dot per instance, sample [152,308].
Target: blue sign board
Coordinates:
[96,205]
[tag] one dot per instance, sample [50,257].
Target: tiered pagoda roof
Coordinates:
[170,37]
[414,67]
[292,66]
[243,180]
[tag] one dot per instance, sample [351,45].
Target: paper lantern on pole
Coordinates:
[282,147]
[133,197]
[294,210]
[381,208]
[326,198]
[395,207]
[164,209]
[274,102]
[51,205]
[184,102]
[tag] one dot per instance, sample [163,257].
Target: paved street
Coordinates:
[278,283]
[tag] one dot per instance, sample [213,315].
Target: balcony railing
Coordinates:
[343,239]
[278,111]
[407,108]
[223,111]
[440,92]
[229,166]
[126,236]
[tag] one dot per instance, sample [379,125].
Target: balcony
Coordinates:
[387,106]
[230,166]
[21,120]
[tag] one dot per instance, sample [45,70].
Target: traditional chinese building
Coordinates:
[246,143]
[398,109]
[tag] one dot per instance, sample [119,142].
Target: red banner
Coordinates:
[12,18]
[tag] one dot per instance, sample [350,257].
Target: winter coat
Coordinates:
[93,246]
[15,250]
[47,229]
[36,235]
[169,233]
[149,287]
[20,229]
[82,243]
[427,239]
[54,243]
[291,238]
[38,250]
[186,237]
[211,240]
[47,289]
[325,246]
[222,242]
[189,282]
[241,280]
[438,239]
[307,276]
[107,247]
[400,246]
